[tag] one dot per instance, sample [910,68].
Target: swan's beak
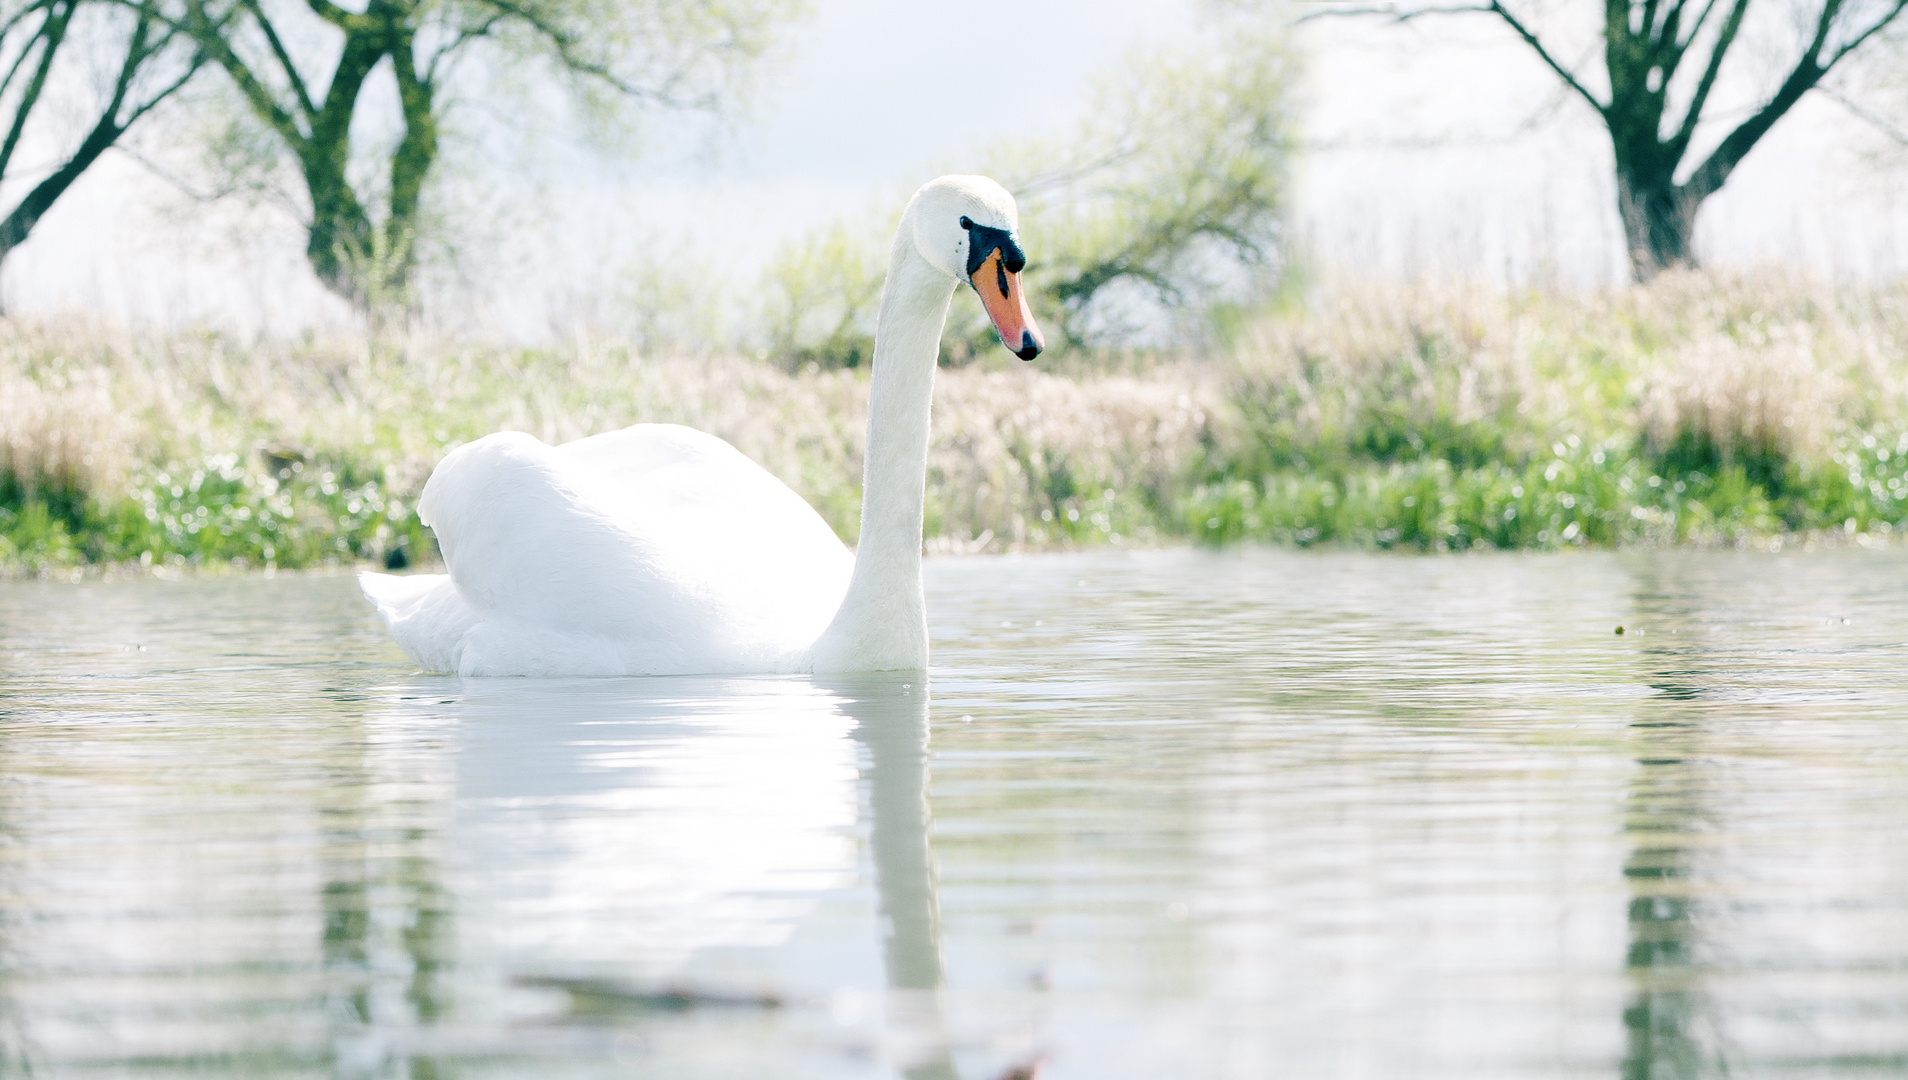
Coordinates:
[1006,304]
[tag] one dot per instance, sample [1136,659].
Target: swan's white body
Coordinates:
[652,550]
[660,550]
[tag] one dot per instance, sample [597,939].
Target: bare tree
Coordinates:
[45,43]
[1661,61]
[302,68]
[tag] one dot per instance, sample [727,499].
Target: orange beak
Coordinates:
[1006,305]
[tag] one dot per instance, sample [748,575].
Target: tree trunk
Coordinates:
[340,245]
[1645,42]
[367,264]
[410,166]
[1659,223]
[1658,214]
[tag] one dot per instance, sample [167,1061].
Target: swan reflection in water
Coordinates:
[640,833]
[891,720]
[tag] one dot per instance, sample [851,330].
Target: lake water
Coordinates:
[1174,814]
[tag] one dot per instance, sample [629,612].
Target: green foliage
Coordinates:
[1701,409]
[820,300]
[1169,201]
[210,512]
[1581,494]
[1159,212]
[619,57]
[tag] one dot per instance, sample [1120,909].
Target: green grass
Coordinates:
[1578,494]
[213,512]
[1700,409]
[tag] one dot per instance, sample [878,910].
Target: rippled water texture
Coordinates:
[1167,815]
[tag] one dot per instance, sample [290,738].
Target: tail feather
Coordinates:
[426,616]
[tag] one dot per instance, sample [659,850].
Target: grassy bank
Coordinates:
[1699,409]
[195,449]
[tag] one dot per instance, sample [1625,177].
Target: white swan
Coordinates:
[662,550]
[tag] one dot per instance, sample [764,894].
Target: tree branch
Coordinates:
[1715,169]
[1724,38]
[136,54]
[192,68]
[51,33]
[1675,43]
[305,103]
[365,45]
[1670,43]
[570,58]
[1650,28]
[25,50]
[180,182]
[463,38]
[105,132]
[1531,40]
[211,39]
[332,13]
[1861,113]
[1695,28]
[21,15]
[1395,13]
[1494,7]
[1822,27]
[1865,35]
[1807,74]
[415,155]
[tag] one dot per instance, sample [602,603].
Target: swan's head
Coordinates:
[964,226]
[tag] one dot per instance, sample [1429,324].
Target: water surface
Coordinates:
[1167,815]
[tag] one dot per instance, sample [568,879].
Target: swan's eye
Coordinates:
[966,222]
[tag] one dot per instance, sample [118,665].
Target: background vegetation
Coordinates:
[303,126]
[1155,220]
[1696,408]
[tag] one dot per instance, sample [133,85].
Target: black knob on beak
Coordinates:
[1028,347]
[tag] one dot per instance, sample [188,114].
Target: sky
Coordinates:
[1436,148]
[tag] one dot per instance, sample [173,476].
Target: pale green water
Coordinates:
[1186,815]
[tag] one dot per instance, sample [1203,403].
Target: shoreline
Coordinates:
[1817,542]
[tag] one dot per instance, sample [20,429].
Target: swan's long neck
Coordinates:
[882,624]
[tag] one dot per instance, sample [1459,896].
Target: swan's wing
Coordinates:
[657,536]
[732,533]
[721,516]
[623,457]
[523,543]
